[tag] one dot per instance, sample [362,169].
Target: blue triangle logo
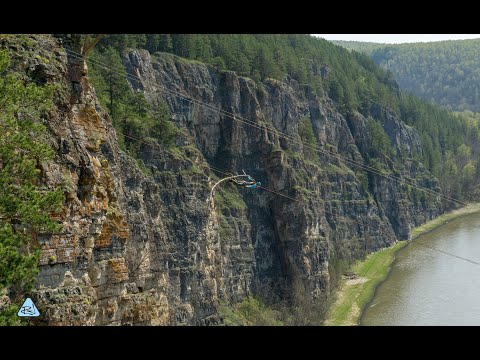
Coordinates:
[28,309]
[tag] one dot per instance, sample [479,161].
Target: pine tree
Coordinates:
[352,80]
[165,43]
[24,208]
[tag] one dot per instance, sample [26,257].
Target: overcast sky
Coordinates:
[397,38]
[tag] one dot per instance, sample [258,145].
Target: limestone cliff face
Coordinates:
[334,217]
[156,249]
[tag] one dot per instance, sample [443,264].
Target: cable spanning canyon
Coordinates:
[191,188]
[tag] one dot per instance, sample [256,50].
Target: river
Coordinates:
[427,287]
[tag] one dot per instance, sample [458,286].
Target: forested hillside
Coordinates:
[444,72]
[351,79]
[110,156]
[360,46]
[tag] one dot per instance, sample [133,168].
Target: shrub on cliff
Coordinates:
[24,208]
[132,115]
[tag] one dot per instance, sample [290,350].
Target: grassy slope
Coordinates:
[353,295]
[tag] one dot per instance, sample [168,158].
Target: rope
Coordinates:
[212,193]
[389,254]
[274,132]
[293,140]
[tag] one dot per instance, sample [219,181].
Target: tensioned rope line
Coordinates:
[212,191]
[376,255]
[288,137]
[273,130]
[276,132]
[448,253]
[374,260]
[286,196]
[230,173]
[293,140]
[327,212]
[276,192]
[389,254]
[261,127]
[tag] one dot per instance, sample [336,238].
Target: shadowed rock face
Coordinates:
[155,249]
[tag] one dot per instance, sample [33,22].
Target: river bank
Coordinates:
[445,218]
[356,291]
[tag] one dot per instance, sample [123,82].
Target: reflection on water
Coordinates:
[427,287]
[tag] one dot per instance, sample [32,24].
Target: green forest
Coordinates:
[445,113]
[444,72]
[350,78]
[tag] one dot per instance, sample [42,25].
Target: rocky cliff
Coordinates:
[151,246]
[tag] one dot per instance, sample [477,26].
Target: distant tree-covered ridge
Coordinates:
[444,72]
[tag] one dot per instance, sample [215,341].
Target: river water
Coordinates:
[427,287]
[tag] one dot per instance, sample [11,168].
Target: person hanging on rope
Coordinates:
[249,181]
[254,185]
